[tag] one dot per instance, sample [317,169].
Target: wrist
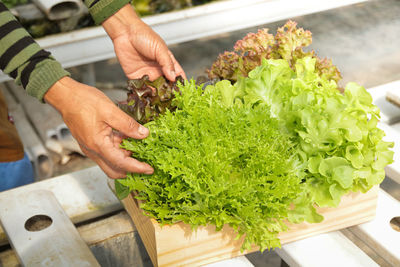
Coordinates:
[60,93]
[120,22]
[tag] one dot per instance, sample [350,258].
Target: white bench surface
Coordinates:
[390,113]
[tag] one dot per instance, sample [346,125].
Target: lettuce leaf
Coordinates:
[259,153]
[217,163]
[147,99]
[338,147]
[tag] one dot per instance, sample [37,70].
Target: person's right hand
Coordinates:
[98,125]
[139,49]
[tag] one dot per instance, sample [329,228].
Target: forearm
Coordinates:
[119,23]
[100,10]
[23,59]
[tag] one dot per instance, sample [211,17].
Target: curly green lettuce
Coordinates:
[261,152]
[217,164]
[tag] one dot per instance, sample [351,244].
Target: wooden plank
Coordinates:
[378,233]
[144,225]
[328,249]
[83,195]
[205,245]
[8,258]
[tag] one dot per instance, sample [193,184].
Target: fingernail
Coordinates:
[143,130]
[149,171]
[173,74]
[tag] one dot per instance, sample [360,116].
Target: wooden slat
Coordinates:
[144,226]
[378,233]
[83,195]
[205,245]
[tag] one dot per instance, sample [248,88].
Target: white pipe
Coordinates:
[42,163]
[59,9]
[62,131]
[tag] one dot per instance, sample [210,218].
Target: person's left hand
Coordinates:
[98,125]
[139,49]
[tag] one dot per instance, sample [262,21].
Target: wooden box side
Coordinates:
[354,208]
[178,245]
[144,225]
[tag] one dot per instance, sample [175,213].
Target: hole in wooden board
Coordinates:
[38,223]
[395,223]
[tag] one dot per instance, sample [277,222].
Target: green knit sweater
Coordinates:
[32,67]
[23,59]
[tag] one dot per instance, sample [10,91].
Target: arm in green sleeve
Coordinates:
[103,9]
[24,60]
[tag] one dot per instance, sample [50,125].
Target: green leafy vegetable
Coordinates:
[258,153]
[287,44]
[217,163]
[338,146]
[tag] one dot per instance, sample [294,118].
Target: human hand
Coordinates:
[139,49]
[98,125]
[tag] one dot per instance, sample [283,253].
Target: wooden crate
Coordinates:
[178,245]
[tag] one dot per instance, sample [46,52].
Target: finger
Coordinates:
[117,159]
[166,63]
[117,137]
[117,140]
[152,72]
[110,172]
[125,124]
[178,69]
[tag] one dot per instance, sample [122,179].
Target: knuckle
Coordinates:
[114,175]
[132,124]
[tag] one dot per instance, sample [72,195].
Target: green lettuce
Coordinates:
[259,153]
[338,147]
[217,163]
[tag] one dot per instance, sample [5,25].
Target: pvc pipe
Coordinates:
[59,9]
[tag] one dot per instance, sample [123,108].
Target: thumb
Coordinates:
[126,125]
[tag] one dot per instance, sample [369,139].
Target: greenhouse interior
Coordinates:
[126,133]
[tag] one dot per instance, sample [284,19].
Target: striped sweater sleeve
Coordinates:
[23,59]
[100,10]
